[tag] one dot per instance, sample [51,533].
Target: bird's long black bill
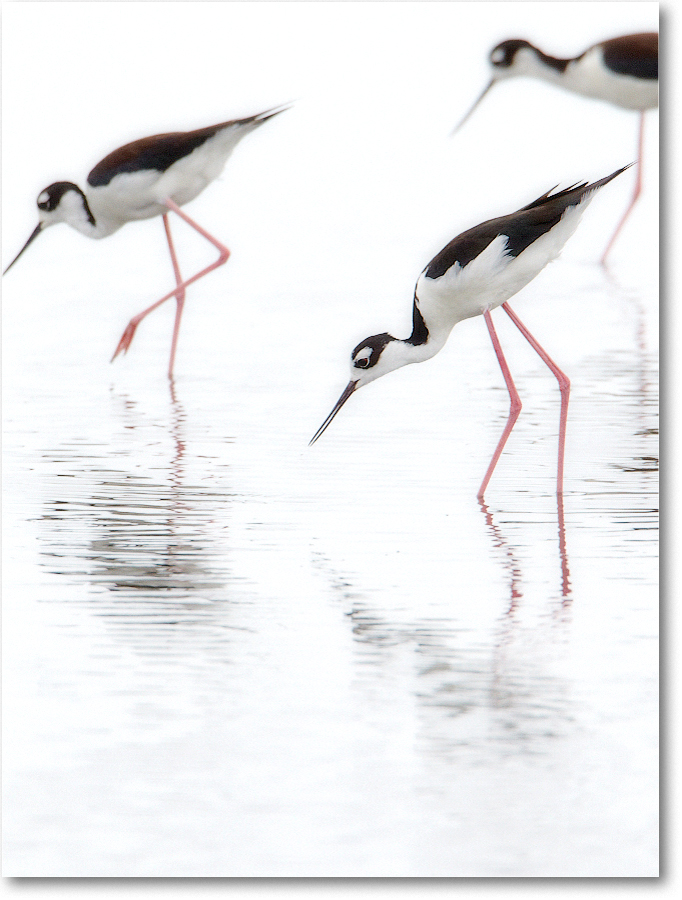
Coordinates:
[462,121]
[36,232]
[350,387]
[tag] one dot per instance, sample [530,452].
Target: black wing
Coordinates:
[521,228]
[633,54]
[160,151]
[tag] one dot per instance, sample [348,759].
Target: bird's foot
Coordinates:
[126,339]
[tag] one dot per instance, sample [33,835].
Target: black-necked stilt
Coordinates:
[143,179]
[622,71]
[476,272]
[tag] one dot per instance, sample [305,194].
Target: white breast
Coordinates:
[127,197]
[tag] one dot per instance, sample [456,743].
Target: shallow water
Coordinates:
[230,654]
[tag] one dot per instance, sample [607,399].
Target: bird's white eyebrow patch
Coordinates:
[44,197]
[497,55]
[365,354]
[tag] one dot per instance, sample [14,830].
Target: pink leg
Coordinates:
[180,296]
[564,387]
[514,407]
[638,189]
[224,254]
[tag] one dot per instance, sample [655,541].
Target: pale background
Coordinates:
[330,212]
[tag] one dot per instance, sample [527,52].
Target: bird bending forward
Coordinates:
[622,71]
[146,178]
[476,272]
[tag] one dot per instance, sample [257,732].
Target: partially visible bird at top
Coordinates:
[622,71]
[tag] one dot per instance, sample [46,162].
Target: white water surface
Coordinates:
[229,654]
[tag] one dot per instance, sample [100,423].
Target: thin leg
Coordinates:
[180,296]
[638,189]
[224,254]
[564,387]
[514,404]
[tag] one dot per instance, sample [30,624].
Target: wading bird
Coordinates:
[476,272]
[143,179]
[622,71]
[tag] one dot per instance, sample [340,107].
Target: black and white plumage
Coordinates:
[146,178]
[475,273]
[622,71]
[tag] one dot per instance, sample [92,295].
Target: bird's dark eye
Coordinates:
[362,363]
[498,57]
[49,201]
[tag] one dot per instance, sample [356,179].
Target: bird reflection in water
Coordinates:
[512,563]
[473,685]
[151,551]
[644,361]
